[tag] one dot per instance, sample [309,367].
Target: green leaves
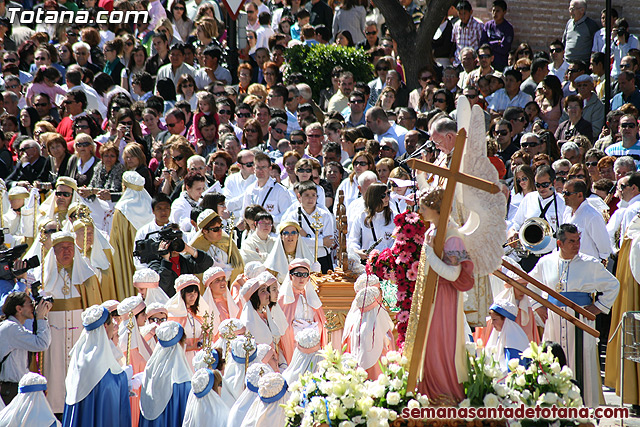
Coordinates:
[316,62]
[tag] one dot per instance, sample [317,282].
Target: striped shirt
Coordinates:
[618,150]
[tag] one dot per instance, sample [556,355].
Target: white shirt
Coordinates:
[560,71]
[83,168]
[304,219]
[361,237]
[234,188]
[500,101]
[396,132]
[166,72]
[322,201]
[630,212]
[181,212]
[272,196]
[262,36]
[351,192]
[530,208]
[594,239]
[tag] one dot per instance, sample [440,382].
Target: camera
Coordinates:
[35,293]
[9,256]
[148,249]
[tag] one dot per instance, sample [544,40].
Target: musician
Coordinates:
[543,203]
[373,224]
[303,212]
[578,277]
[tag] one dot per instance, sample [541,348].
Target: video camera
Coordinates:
[9,256]
[148,249]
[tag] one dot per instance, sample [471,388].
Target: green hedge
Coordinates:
[316,62]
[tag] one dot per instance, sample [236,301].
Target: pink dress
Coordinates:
[550,115]
[440,375]
[287,341]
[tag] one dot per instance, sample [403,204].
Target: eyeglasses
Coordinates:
[521,119]
[625,66]
[297,142]
[591,164]
[214,229]
[157,319]
[529,144]
[63,194]
[278,131]
[569,193]
[316,135]
[178,158]
[543,184]
[225,112]
[248,164]
[439,100]
[580,176]
[299,274]
[386,148]
[290,233]
[572,70]
[41,58]
[305,170]
[41,104]
[627,125]
[425,78]
[82,144]
[382,69]
[360,163]
[622,186]
[187,84]
[178,7]
[470,96]
[250,130]
[356,101]
[502,132]
[171,125]
[265,222]
[371,33]
[243,115]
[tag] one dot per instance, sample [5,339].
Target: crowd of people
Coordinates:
[178,209]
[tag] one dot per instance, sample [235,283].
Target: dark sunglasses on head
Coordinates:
[299,274]
[63,193]
[543,184]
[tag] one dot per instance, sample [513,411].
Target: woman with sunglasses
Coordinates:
[187,307]
[361,162]
[443,100]
[523,184]
[180,20]
[288,247]
[214,241]
[591,159]
[83,162]
[304,172]
[157,314]
[301,306]
[252,134]
[176,168]
[372,228]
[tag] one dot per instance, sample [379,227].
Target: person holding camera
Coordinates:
[178,258]
[16,339]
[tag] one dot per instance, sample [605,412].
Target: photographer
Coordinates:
[16,340]
[181,259]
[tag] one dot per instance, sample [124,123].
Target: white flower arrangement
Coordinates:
[483,387]
[543,383]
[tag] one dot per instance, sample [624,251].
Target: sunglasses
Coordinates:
[521,119]
[356,101]
[523,179]
[225,112]
[484,56]
[305,170]
[129,43]
[360,163]
[41,104]
[371,33]
[591,164]
[178,158]
[556,50]
[243,115]
[157,319]
[63,193]
[568,193]
[83,144]
[81,127]
[297,142]
[627,125]
[171,125]
[299,274]
[622,186]
[502,132]
[214,229]
[543,184]
[289,233]
[41,58]
[386,148]
[529,144]
[249,130]
[248,164]
[382,69]
[10,60]
[278,131]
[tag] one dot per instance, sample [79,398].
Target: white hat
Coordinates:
[134,304]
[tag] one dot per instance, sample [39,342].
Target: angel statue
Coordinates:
[470,251]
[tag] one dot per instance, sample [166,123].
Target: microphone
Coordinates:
[427,146]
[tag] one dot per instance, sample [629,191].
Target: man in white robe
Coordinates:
[578,277]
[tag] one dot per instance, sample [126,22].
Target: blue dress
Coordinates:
[173,414]
[106,406]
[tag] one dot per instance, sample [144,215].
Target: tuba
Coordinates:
[535,237]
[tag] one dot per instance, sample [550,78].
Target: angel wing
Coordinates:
[483,213]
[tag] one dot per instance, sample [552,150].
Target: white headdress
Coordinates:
[512,336]
[249,395]
[272,392]
[30,407]
[135,203]
[306,356]
[205,406]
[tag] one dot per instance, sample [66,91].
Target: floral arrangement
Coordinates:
[399,264]
[544,382]
[336,394]
[483,387]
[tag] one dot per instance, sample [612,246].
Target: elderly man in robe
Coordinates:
[578,277]
[73,284]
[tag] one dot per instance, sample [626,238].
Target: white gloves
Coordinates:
[128,369]
[449,272]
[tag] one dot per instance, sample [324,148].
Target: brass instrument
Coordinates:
[535,237]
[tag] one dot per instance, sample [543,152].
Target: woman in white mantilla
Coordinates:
[205,406]
[249,395]
[218,297]
[507,340]
[30,406]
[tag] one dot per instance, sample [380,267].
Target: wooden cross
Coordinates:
[419,315]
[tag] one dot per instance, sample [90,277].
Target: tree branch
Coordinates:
[398,21]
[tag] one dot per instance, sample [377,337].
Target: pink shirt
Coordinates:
[37,88]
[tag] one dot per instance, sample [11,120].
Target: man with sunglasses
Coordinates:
[175,120]
[593,110]
[277,131]
[32,166]
[543,203]
[590,223]
[75,102]
[357,107]
[558,66]
[629,145]
[371,36]
[236,184]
